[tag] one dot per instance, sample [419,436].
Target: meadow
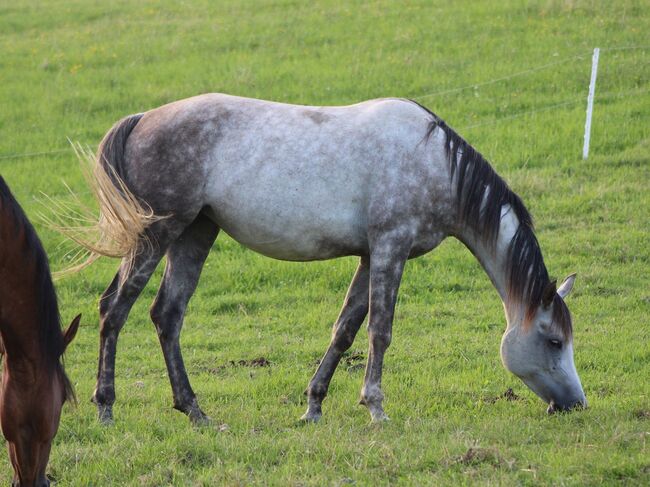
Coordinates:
[512,79]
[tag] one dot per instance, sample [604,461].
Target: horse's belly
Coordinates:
[288,228]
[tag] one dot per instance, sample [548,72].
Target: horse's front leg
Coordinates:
[387,260]
[354,311]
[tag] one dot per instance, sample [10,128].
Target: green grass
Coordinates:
[70,69]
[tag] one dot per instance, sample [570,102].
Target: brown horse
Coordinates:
[34,384]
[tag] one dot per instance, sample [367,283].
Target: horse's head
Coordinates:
[30,410]
[539,350]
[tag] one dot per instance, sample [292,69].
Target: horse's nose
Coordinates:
[554,407]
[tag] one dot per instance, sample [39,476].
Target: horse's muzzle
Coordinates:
[554,407]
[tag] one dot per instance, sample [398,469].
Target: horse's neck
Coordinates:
[494,257]
[18,319]
[19,302]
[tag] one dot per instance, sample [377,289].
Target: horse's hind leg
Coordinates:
[185,259]
[355,308]
[115,304]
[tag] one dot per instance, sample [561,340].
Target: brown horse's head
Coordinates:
[33,393]
[34,384]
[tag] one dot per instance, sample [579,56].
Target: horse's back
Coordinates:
[293,182]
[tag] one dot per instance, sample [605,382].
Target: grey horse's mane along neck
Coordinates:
[480,196]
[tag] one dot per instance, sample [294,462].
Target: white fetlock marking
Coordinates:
[309,417]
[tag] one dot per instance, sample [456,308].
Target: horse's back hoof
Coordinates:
[378,416]
[310,417]
[105,415]
[380,419]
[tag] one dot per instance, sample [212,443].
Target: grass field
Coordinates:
[72,68]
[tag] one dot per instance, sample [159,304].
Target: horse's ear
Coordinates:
[566,286]
[70,333]
[549,294]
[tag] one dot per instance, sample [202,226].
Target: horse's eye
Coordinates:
[555,343]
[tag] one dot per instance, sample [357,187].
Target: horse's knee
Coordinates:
[346,329]
[379,339]
[343,338]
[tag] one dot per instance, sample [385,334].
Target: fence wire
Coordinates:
[443,92]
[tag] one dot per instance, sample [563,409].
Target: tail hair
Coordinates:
[120,229]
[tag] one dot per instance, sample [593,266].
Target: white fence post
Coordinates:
[590,102]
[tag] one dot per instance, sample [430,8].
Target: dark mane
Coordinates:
[480,195]
[48,318]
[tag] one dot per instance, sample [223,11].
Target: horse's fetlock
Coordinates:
[343,340]
[316,391]
[371,396]
[103,397]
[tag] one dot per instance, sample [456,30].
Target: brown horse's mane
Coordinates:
[527,277]
[47,310]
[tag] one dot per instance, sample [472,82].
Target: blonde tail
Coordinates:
[123,218]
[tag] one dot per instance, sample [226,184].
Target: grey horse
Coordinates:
[385,180]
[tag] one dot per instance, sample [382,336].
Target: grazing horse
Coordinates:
[385,180]
[34,384]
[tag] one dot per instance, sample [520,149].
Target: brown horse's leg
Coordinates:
[43,458]
[24,453]
[386,266]
[14,462]
[185,259]
[355,308]
[115,304]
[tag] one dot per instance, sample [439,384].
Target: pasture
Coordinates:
[256,328]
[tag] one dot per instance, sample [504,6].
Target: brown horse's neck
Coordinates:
[18,317]
[19,288]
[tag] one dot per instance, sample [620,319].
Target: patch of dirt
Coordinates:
[354,361]
[256,362]
[354,358]
[478,455]
[509,395]
[642,414]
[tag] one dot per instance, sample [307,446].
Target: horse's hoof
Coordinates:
[105,415]
[378,417]
[199,419]
[310,417]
